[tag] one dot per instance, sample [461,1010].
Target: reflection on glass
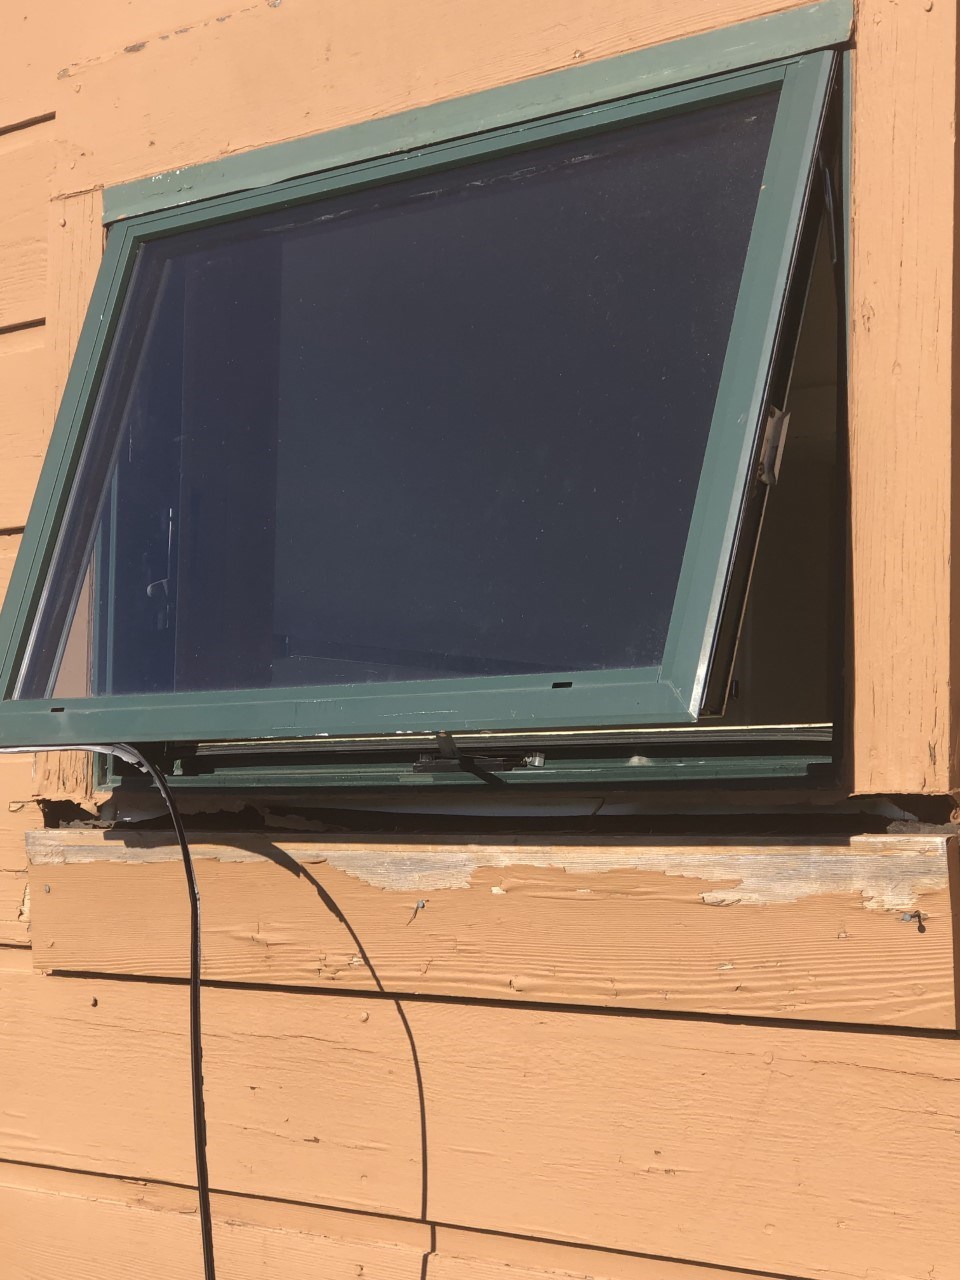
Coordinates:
[450,426]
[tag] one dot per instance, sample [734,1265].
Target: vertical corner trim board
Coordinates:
[858,931]
[903,385]
[780,1149]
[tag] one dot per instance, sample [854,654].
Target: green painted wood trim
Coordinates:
[779,35]
[63,453]
[742,394]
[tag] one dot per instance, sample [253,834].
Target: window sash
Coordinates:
[670,694]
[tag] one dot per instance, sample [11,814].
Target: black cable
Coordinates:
[288,863]
[135,757]
[196,1045]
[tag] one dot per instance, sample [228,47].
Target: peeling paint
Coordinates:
[884,873]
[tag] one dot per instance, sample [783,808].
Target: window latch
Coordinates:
[771,450]
[450,759]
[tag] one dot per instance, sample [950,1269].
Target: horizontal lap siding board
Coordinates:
[306,1099]
[54,1223]
[774,929]
[25,418]
[14,909]
[19,812]
[59,1225]
[786,1150]
[275,72]
[26,162]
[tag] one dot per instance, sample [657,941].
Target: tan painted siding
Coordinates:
[773,929]
[902,379]
[55,1223]
[790,1150]
[18,810]
[262,73]
[642,1118]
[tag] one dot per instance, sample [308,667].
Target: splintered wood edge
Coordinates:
[887,872]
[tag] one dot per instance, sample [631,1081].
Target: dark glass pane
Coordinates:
[448,426]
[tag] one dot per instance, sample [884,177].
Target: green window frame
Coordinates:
[671,694]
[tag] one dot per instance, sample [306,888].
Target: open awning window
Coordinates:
[466,439]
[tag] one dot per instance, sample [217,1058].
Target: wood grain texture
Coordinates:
[25,418]
[802,1152]
[785,1150]
[9,546]
[812,931]
[263,73]
[39,42]
[75,249]
[19,812]
[14,909]
[26,164]
[474,1255]
[14,958]
[307,1099]
[902,375]
[57,1224]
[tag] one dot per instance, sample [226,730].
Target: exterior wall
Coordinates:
[605,1075]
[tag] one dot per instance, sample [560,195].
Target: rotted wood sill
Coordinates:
[855,930]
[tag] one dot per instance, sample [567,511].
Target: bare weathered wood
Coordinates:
[766,928]
[785,1150]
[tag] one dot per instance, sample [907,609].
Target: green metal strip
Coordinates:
[779,35]
[616,774]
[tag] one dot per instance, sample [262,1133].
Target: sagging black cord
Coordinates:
[196,1043]
[135,757]
[282,859]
